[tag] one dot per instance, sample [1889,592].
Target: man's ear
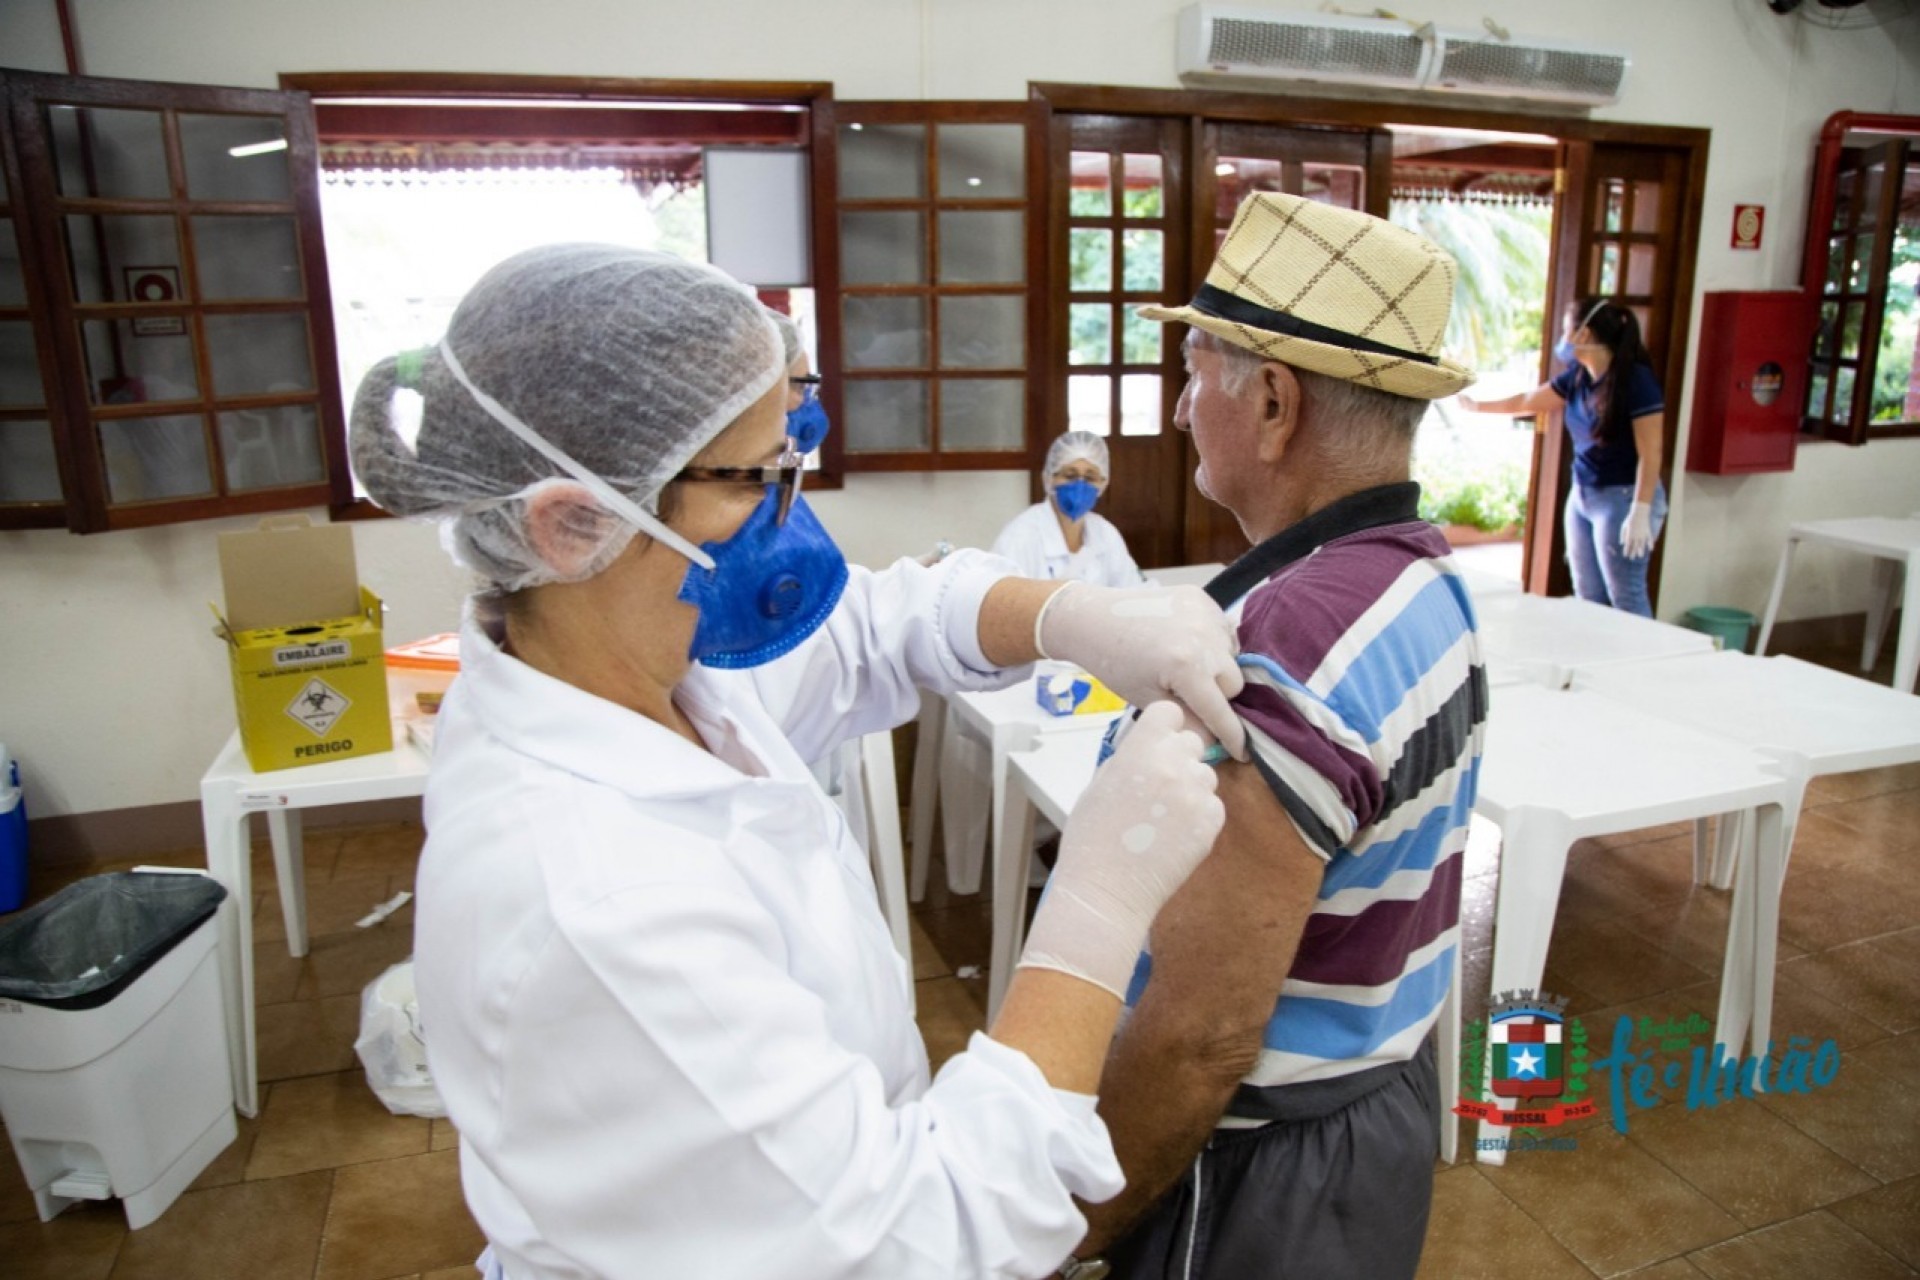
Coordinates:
[1279,421]
[566,527]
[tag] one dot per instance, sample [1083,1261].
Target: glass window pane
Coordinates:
[1140,404]
[1859,275]
[20,384]
[271,448]
[247,257]
[1646,207]
[987,247]
[1609,272]
[29,471]
[1140,338]
[1640,258]
[983,413]
[1613,200]
[1142,254]
[1143,174]
[108,152]
[982,161]
[149,458]
[1335,184]
[1896,393]
[1089,333]
[1827,333]
[1091,192]
[1842,396]
[1090,258]
[884,417]
[13,282]
[886,333]
[1850,331]
[124,258]
[142,361]
[259,354]
[983,333]
[1837,260]
[883,162]
[1817,396]
[235,157]
[883,248]
[1090,403]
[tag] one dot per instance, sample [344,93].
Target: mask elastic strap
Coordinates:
[608,496]
[1592,311]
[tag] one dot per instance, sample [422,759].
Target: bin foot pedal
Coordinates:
[83,1185]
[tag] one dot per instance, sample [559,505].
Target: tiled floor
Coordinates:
[327,1184]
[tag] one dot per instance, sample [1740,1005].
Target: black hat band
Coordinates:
[1221,305]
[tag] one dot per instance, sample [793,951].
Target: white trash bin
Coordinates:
[114,1078]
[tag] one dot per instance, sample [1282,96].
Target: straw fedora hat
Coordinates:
[1332,290]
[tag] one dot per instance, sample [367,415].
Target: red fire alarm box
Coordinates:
[1750,383]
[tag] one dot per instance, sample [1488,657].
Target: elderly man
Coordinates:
[1273,1095]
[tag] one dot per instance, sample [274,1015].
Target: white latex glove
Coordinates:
[1146,822]
[1149,643]
[1636,535]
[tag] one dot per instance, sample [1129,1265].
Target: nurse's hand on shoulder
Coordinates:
[1149,643]
[1149,817]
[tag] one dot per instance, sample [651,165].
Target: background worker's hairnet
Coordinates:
[628,361]
[789,335]
[1077,446]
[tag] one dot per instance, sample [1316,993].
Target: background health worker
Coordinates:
[1061,537]
[659,998]
[1615,415]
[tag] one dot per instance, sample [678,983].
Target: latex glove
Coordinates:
[1636,535]
[1149,643]
[1144,824]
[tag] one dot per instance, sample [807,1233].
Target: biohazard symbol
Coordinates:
[319,706]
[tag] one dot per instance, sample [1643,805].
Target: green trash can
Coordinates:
[1728,627]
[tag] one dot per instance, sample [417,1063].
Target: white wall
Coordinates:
[114,692]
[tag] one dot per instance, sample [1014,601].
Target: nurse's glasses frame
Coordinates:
[786,474]
[808,386]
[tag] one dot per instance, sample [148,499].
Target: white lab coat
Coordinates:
[661,1003]
[1033,541]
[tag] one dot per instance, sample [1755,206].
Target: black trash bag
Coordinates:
[90,941]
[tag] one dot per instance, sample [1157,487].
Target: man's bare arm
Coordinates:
[1221,950]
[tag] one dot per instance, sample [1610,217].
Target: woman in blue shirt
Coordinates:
[1615,413]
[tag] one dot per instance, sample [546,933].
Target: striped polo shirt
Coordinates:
[1364,703]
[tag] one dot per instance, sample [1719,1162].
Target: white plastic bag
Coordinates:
[391,1047]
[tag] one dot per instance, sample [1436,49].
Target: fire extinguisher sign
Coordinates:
[1747,221]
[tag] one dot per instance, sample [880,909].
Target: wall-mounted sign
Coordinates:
[1748,219]
[154,284]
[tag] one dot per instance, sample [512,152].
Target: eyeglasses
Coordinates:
[809,387]
[786,474]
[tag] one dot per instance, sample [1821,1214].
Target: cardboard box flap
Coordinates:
[288,571]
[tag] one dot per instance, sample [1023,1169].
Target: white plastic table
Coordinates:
[1894,543]
[1562,765]
[1547,641]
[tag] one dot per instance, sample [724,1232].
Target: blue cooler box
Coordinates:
[13,837]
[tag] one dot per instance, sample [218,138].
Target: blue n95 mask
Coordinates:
[770,587]
[1563,351]
[1076,497]
[807,425]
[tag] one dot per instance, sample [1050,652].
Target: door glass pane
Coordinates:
[1090,403]
[1609,269]
[1144,186]
[1237,177]
[1089,333]
[20,385]
[983,333]
[1613,199]
[1139,338]
[1640,259]
[247,257]
[235,157]
[28,469]
[983,413]
[1646,207]
[1142,254]
[270,448]
[108,152]
[13,283]
[1861,270]
[259,354]
[124,258]
[1090,259]
[1842,396]
[886,416]
[883,247]
[1140,404]
[142,361]
[883,162]
[149,458]
[983,248]
[1091,192]
[982,161]
[1335,184]
[886,333]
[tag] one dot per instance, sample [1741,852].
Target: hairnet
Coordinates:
[789,335]
[626,361]
[1081,445]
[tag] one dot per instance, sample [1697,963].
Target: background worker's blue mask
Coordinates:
[1563,351]
[807,425]
[1076,497]
[771,586]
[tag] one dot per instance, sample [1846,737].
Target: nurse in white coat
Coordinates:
[1062,537]
[657,993]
